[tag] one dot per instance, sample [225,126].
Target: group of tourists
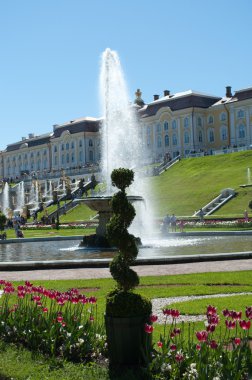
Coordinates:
[169,223]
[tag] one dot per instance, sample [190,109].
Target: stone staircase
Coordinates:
[165,165]
[217,202]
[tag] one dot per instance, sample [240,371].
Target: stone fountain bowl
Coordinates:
[103,203]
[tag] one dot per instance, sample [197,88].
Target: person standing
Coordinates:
[173,223]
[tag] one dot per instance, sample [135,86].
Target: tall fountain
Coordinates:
[120,136]
[20,197]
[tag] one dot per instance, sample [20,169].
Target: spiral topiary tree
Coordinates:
[118,236]
[126,311]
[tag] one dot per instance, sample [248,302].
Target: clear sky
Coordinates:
[50,54]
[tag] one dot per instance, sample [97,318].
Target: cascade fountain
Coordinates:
[20,196]
[6,199]
[121,143]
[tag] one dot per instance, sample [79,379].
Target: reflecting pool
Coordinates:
[152,248]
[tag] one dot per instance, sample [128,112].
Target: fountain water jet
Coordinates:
[121,140]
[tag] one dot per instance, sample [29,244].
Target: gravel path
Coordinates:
[159,303]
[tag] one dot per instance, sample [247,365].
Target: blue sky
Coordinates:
[50,54]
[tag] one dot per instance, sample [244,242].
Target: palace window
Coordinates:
[67,146]
[90,143]
[159,141]
[174,139]
[174,124]
[223,133]
[67,158]
[80,143]
[241,131]
[223,116]
[158,128]
[210,119]
[211,135]
[72,145]
[186,122]
[166,125]
[55,149]
[199,122]
[200,136]
[240,114]
[186,138]
[166,140]
[80,156]
[73,157]
[62,147]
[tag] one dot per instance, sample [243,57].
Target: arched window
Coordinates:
[67,146]
[166,140]
[45,152]
[80,156]
[211,135]
[200,136]
[38,165]
[241,131]
[159,141]
[174,139]
[199,122]
[45,163]
[63,159]
[186,122]
[223,133]
[62,147]
[186,138]
[90,143]
[210,119]
[166,125]
[158,128]
[67,158]
[91,156]
[80,143]
[38,154]
[55,160]
[73,157]
[31,154]
[223,116]
[240,114]
[72,145]
[55,149]
[174,124]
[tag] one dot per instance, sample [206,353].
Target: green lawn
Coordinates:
[19,364]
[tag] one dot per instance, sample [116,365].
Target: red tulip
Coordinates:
[230,324]
[202,335]
[211,310]
[237,341]
[175,313]
[213,344]
[153,318]
[245,325]
[160,344]
[179,358]
[173,347]
[148,328]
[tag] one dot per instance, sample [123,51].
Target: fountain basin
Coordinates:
[102,205]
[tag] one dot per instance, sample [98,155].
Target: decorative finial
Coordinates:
[139,101]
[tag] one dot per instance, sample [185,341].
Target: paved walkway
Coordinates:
[143,270]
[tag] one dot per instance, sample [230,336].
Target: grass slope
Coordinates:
[193,182]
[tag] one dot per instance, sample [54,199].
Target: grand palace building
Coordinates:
[185,123]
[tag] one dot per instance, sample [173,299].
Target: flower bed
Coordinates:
[205,354]
[74,226]
[54,323]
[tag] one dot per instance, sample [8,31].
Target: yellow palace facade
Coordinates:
[191,123]
[187,123]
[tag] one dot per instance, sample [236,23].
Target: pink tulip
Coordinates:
[213,344]
[179,358]
[237,341]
